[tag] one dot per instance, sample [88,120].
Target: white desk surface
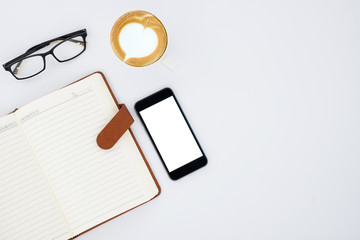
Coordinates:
[271,89]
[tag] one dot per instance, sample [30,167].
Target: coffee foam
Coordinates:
[138,38]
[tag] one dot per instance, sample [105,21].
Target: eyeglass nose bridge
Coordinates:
[51,52]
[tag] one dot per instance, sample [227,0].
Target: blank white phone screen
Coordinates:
[171,134]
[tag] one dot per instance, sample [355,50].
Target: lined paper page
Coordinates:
[27,208]
[91,184]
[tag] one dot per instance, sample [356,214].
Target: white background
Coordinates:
[271,89]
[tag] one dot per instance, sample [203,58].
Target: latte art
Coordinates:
[138,38]
[137,41]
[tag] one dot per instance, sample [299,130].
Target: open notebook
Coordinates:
[55,182]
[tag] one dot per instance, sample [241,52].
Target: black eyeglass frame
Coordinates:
[82,33]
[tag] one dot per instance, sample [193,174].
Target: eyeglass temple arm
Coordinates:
[70,40]
[82,32]
[42,45]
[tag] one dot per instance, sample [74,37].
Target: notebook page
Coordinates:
[91,184]
[27,208]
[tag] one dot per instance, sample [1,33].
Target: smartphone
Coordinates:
[171,133]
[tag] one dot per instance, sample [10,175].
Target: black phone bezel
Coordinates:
[150,101]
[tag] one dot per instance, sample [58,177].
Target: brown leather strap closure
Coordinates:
[117,126]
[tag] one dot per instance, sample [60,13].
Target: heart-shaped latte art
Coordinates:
[137,41]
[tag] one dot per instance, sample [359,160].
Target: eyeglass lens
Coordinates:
[28,67]
[69,49]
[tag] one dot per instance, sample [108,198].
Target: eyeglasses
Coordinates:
[67,47]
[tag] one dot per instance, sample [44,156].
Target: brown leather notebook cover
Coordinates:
[126,123]
[117,126]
